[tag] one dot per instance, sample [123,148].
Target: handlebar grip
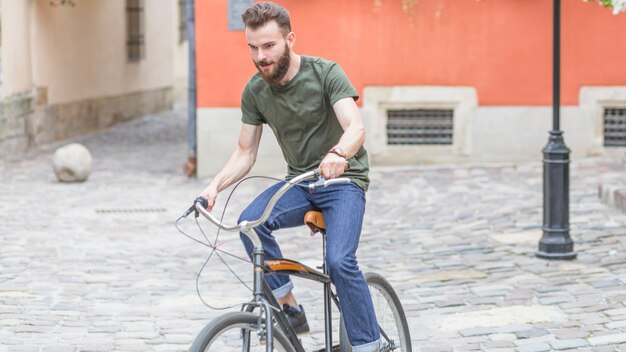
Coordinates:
[203,201]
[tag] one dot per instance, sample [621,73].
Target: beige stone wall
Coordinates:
[69,65]
[14,112]
[80,52]
[180,59]
[16,47]
[60,121]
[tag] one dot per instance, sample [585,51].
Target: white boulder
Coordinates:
[72,163]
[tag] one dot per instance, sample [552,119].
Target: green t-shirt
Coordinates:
[302,117]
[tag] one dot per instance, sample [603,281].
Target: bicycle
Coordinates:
[239,328]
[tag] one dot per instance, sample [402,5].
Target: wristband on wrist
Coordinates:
[339,151]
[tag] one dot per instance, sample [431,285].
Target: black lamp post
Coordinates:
[556,242]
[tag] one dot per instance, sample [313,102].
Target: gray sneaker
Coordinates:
[296,318]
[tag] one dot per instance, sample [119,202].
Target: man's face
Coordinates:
[270,51]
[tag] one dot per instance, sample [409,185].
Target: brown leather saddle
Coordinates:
[315,221]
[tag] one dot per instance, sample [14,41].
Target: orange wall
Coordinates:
[501,47]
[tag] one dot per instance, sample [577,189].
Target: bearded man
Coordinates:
[309,103]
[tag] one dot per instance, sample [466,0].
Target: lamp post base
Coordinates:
[556,245]
[556,242]
[555,256]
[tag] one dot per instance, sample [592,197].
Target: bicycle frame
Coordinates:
[265,297]
[262,294]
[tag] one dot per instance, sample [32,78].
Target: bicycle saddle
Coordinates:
[315,221]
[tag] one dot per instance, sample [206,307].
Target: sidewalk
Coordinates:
[99,266]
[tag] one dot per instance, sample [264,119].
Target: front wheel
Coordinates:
[394,328]
[237,331]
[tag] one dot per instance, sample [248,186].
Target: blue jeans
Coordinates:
[343,206]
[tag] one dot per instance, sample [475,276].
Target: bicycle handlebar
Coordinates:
[201,205]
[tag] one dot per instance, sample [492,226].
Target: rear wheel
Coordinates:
[237,331]
[394,328]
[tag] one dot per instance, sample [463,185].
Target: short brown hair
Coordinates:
[261,13]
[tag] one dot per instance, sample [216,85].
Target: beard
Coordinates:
[275,76]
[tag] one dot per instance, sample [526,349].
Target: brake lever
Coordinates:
[317,184]
[322,182]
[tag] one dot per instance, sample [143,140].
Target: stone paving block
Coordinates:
[616,325]
[612,339]
[502,337]
[513,328]
[467,347]
[536,332]
[535,340]
[567,334]
[437,349]
[568,344]
[555,300]
[615,312]
[96,348]
[604,349]
[59,349]
[450,303]
[179,338]
[144,335]
[499,344]
[590,318]
[171,348]
[23,349]
[537,347]
[476,332]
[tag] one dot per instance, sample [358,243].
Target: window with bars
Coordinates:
[182,21]
[135,37]
[420,127]
[615,127]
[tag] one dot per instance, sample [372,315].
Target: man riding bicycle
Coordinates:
[309,103]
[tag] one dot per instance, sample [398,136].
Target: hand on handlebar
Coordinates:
[333,166]
[210,195]
[207,199]
[192,208]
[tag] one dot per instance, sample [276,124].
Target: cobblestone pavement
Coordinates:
[100,266]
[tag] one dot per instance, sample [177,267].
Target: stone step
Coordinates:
[613,195]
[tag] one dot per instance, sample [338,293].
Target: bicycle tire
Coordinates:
[207,339]
[401,337]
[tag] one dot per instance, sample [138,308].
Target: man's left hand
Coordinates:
[332,166]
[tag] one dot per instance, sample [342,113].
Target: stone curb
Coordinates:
[613,195]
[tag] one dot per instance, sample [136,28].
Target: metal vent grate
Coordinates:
[135,36]
[182,21]
[420,127]
[615,127]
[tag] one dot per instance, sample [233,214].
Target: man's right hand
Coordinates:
[210,193]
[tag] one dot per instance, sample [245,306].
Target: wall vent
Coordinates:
[135,32]
[615,127]
[420,127]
